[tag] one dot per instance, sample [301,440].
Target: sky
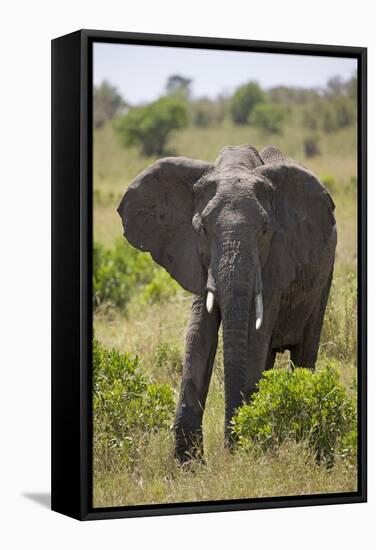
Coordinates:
[140,72]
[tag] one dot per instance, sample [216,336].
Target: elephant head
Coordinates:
[227,230]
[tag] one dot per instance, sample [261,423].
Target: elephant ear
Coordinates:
[157,211]
[304,223]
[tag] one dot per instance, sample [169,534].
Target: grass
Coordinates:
[148,329]
[292,471]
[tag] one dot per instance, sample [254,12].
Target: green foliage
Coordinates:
[127,407]
[339,112]
[168,357]
[309,120]
[244,100]
[311,146]
[206,112]
[107,103]
[298,405]
[118,272]
[292,95]
[269,117]
[122,271]
[160,288]
[150,126]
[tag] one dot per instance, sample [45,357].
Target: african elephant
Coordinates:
[253,237]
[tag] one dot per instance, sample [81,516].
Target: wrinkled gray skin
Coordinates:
[249,224]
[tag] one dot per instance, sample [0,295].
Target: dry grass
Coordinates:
[158,479]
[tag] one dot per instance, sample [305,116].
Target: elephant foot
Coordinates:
[189,448]
[189,443]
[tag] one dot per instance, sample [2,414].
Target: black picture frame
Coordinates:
[72,272]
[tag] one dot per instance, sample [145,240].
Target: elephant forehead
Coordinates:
[242,156]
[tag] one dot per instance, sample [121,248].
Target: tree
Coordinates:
[206,112]
[244,100]
[335,86]
[178,85]
[268,117]
[107,103]
[150,126]
[292,95]
[352,88]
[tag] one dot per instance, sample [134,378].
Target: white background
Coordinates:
[27,28]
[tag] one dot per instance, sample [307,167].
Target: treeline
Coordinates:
[149,126]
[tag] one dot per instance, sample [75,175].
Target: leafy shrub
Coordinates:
[150,126]
[297,405]
[244,100]
[268,117]
[122,271]
[160,288]
[118,272]
[127,407]
[311,146]
[168,357]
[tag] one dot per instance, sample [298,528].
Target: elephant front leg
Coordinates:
[201,346]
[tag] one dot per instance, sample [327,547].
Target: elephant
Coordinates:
[252,236]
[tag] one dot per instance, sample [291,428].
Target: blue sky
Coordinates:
[140,72]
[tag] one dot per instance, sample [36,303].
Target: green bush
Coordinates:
[127,407]
[122,271]
[118,272]
[298,405]
[268,117]
[244,100]
[150,126]
[160,288]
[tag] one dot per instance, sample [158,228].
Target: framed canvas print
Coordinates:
[208,274]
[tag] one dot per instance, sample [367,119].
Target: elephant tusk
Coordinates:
[209,301]
[259,310]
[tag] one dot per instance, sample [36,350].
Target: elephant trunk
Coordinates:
[240,297]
